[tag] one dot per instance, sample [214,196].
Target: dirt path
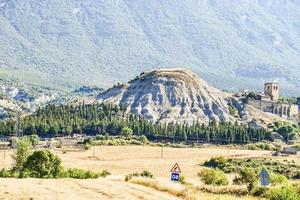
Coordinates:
[108,188]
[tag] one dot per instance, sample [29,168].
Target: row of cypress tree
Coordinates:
[98,118]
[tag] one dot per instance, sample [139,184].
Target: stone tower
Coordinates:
[272,89]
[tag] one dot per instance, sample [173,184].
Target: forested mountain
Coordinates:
[230,43]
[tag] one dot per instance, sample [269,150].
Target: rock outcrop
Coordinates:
[170,95]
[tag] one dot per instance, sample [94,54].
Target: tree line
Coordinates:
[106,119]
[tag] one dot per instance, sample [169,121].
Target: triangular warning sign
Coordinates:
[176,168]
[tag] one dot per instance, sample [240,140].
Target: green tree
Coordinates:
[43,164]
[34,139]
[127,132]
[21,154]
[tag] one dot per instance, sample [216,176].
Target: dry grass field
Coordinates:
[119,161]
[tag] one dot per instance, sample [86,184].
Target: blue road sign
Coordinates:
[175,176]
[264,177]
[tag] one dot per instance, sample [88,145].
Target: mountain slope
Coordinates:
[232,44]
[170,95]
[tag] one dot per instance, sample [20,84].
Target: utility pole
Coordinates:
[19,130]
[94,150]
[162,152]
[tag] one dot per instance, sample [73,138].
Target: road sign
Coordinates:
[175,173]
[176,168]
[175,176]
[264,177]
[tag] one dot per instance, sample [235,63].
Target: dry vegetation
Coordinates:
[119,161]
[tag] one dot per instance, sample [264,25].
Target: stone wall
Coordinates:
[282,109]
[266,106]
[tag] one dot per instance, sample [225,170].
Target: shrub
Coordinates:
[297,186]
[87,146]
[8,174]
[143,174]
[147,174]
[246,176]
[277,179]
[286,192]
[259,191]
[252,147]
[88,141]
[217,162]
[34,139]
[143,139]
[127,132]
[290,170]
[213,177]
[101,137]
[182,180]
[230,190]
[130,176]
[83,174]
[43,164]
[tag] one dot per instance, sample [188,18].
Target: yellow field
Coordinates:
[119,160]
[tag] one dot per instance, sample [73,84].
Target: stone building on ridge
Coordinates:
[269,102]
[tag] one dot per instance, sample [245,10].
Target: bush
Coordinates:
[147,174]
[277,179]
[88,141]
[218,162]
[230,190]
[259,191]
[101,137]
[213,177]
[297,186]
[127,132]
[252,147]
[8,174]
[43,164]
[286,192]
[130,176]
[34,139]
[246,176]
[143,139]
[143,174]
[83,174]
[87,146]
[288,169]
[182,180]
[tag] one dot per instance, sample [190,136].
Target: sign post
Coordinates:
[175,173]
[264,177]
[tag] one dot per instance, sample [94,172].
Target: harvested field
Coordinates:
[76,189]
[119,160]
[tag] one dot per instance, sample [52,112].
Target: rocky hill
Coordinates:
[179,95]
[17,98]
[232,44]
[170,95]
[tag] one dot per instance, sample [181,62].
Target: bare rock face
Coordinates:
[170,95]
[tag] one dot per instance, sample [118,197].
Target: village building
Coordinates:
[269,102]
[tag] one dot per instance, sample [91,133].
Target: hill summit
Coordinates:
[167,95]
